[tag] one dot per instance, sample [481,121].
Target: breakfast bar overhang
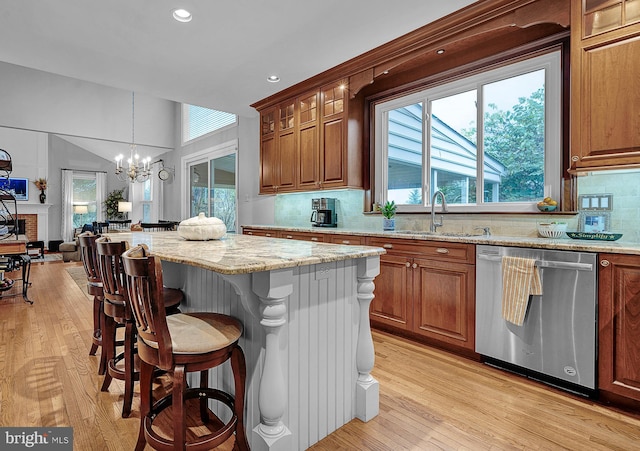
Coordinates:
[305,310]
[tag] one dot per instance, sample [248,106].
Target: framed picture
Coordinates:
[18,187]
[594,221]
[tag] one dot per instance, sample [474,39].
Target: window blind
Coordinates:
[199,121]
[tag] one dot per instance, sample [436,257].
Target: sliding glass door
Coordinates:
[212,187]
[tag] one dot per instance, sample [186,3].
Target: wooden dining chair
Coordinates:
[179,344]
[87,248]
[118,312]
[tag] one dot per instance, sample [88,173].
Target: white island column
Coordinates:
[367,391]
[272,288]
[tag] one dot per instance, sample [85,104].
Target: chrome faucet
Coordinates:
[434,225]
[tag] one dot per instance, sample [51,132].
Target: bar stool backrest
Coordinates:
[111,271]
[89,257]
[144,285]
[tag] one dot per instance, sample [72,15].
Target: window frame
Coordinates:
[550,59]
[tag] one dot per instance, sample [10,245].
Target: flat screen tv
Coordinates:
[16,186]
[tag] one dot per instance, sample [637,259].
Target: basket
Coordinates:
[552,230]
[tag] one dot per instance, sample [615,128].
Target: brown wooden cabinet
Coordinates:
[333,139]
[278,149]
[619,325]
[305,143]
[309,141]
[605,87]
[427,288]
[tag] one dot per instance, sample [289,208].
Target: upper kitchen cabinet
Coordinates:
[334,156]
[309,146]
[278,149]
[605,87]
[309,141]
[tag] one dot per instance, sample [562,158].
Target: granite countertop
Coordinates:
[616,247]
[242,254]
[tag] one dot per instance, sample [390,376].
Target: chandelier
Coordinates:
[136,170]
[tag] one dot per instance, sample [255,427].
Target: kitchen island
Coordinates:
[305,309]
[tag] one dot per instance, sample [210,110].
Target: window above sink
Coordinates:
[491,141]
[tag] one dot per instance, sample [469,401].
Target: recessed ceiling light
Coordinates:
[273,78]
[182,15]
[440,51]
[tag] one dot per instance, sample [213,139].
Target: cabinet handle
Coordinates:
[442,250]
[289,236]
[313,238]
[407,264]
[388,246]
[414,266]
[604,263]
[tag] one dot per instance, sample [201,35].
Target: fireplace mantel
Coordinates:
[27,208]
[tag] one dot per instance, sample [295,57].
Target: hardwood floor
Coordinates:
[428,399]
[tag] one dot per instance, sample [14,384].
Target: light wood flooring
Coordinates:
[429,399]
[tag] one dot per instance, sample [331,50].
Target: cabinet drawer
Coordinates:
[261,232]
[345,239]
[427,249]
[303,236]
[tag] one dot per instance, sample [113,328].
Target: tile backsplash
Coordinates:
[294,210]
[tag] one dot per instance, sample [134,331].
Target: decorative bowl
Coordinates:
[547,207]
[202,228]
[552,229]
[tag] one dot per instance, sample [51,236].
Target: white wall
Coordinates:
[41,101]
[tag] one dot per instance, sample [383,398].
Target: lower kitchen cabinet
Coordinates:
[427,289]
[444,301]
[393,291]
[619,325]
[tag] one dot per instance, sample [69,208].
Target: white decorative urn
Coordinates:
[202,228]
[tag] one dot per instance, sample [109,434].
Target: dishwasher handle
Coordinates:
[544,263]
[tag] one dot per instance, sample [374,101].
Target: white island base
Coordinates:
[307,343]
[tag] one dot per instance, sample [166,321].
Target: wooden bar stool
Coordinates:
[87,245]
[180,344]
[118,312]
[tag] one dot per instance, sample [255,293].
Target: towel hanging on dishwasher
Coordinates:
[520,279]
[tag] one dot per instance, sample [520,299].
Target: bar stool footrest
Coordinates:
[209,441]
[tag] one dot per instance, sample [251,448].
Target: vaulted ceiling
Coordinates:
[221,59]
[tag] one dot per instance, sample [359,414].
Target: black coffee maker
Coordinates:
[323,212]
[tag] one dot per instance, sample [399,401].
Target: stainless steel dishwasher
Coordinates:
[557,342]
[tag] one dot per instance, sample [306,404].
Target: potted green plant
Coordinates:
[111,204]
[388,212]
